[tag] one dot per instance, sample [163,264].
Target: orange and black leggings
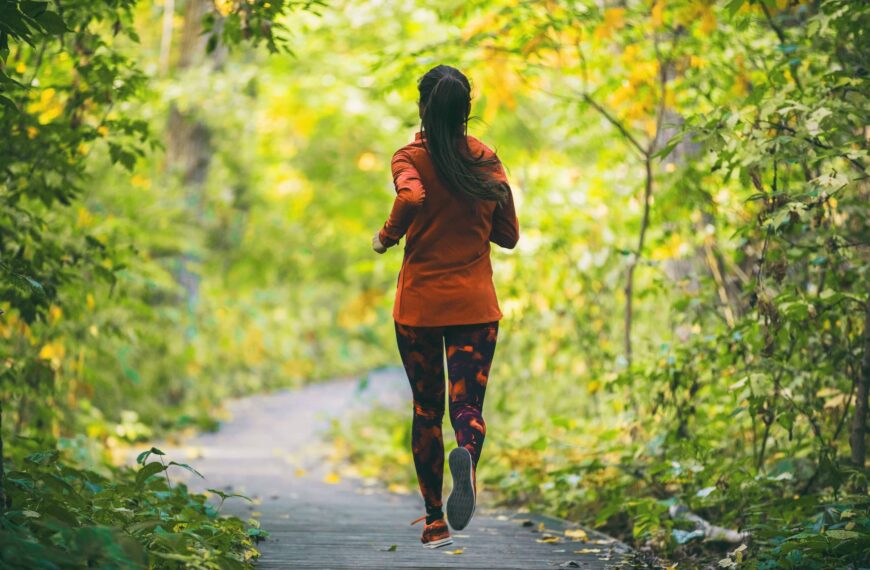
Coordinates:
[470,349]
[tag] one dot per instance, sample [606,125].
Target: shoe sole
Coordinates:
[461,502]
[438,543]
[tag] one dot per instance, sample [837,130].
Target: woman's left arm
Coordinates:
[410,196]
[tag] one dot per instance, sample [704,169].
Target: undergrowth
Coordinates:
[61,516]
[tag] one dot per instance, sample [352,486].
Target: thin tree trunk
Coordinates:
[166,35]
[2,467]
[629,281]
[859,420]
[189,148]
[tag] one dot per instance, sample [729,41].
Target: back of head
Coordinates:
[445,104]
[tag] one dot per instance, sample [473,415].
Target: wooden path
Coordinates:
[272,450]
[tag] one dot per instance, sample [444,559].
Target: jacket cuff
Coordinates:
[386,240]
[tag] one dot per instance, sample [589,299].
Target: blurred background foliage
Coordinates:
[189,189]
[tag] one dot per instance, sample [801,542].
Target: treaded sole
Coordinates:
[439,543]
[460,503]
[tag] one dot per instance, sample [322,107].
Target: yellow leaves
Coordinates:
[139,181]
[675,246]
[708,20]
[83,218]
[54,314]
[658,13]
[20,67]
[253,347]
[650,127]
[367,161]
[53,352]
[90,302]
[48,107]
[488,20]
[498,82]
[614,19]
[698,62]
[593,387]
[103,131]
[332,478]
[32,132]
[740,87]
[454,552]
[224,7]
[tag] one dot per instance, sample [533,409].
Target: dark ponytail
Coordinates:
[445,100]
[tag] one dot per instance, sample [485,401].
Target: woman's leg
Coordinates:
[470,349]
[422,351]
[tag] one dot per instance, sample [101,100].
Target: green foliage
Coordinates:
[711,154]
[59,516]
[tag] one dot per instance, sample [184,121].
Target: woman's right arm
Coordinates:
[410,195]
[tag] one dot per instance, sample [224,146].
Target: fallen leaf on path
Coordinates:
[587,551]
[332,478]
[576,534]
[390,549]
[550,539]
[457,551]
[300,472]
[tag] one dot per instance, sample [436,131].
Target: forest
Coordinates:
[188,190]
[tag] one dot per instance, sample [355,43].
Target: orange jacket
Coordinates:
[446,275]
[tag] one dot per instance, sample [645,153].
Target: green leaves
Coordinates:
[143,457]
[72,518]
[148,470]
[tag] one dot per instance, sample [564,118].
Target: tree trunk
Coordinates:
[859,420]
[189,148]
[166,35]
[2,467]
[638,253]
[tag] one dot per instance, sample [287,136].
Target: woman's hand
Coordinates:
[376,243]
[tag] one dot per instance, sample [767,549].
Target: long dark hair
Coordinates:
[445,100]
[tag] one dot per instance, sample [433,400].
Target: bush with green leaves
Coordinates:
[60,516]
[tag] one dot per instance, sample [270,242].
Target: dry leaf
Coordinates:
[576,534]
[457,551]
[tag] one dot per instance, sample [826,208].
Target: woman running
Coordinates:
[452,200]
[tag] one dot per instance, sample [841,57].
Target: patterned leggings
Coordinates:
[470,349]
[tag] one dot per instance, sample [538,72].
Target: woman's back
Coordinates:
[446,275]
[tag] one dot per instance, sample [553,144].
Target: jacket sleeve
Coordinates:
[505,226]
[410,196]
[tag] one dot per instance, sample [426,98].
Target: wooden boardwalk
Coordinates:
[272,450]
